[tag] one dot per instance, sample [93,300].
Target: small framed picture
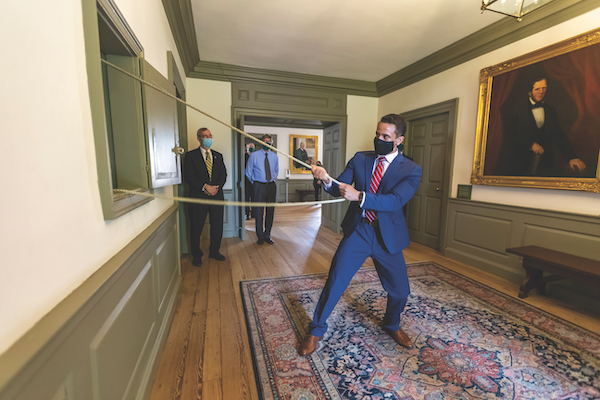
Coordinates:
[304,148]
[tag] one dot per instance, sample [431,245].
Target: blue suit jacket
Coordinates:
[397,187]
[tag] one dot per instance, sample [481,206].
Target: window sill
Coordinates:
[125,202]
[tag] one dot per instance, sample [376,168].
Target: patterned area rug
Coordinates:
[471,342]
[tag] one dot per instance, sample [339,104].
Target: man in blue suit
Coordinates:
[374,226]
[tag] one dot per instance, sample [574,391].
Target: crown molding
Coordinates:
[181,20]
[237,73]
[490,38]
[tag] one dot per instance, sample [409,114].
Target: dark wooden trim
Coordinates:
[236,73]
[180,17]
[175,75]
[112,15]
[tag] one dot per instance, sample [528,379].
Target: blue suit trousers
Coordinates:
[365,241]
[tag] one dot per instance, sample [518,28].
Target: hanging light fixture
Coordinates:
[513,8]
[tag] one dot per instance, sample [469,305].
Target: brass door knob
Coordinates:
[178,150]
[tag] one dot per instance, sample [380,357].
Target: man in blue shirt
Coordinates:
[262,171]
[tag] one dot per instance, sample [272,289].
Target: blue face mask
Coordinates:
[251,149]
[206,143]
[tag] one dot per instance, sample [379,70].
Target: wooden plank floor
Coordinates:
[207,354]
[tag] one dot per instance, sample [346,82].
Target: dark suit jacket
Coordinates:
[301,154]
[521,131]
[195,173]
[397,187]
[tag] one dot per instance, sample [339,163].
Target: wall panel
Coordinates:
[269,97]
[118,344]
[478,234]
[484,233]
[293,185]
[228,218]
[588,245]
[103,341]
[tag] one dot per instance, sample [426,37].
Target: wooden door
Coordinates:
[239,186]
[427,147]
[162,138]
[331,214]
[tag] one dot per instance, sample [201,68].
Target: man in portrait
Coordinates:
[534,140]
[301,154]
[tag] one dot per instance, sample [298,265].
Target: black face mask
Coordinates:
[382,147]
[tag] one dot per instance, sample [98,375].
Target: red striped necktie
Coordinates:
[375,179]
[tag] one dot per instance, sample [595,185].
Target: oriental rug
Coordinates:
[471,342]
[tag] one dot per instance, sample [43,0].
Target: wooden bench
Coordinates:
[537,259]
[304,192]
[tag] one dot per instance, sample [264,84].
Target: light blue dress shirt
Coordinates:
[255,170]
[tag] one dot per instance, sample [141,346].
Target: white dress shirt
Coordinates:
[388,160]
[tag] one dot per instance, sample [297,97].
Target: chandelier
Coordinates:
[513,8]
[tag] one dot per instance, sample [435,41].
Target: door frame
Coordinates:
[338,208]
[238,153]
[180,190]
[451,107]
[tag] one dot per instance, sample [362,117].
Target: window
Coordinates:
[135,127]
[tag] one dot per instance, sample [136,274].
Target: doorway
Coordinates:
[332,159]
[430,139]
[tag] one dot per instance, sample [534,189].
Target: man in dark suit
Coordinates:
[317,184]
[302,155]
[374,226]
[532,134]
[204,172]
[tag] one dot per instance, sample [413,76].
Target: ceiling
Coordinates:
[350,39]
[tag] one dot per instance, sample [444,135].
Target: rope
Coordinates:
[226,202]
[163,91]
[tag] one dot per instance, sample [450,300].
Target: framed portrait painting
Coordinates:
[304,148]
[538,123]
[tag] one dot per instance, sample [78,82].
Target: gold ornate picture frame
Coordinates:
[563,80]
[305,148]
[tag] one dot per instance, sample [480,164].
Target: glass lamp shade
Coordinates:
[513,8]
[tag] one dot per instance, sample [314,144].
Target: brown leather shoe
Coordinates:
[309,345]
[400,337]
